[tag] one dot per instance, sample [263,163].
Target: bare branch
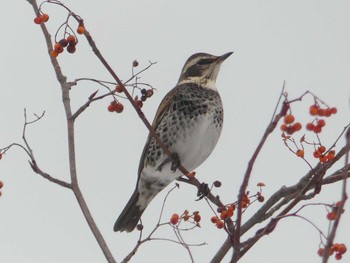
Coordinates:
[65,87]
[272,125]
[344,197]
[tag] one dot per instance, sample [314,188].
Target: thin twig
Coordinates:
[344,197]
[272,125]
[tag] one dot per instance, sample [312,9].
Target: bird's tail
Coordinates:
[131,214]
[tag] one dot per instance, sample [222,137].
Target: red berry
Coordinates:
[297,126]
[321,149]
[342,248]
[197,218]
[284,127]
[139,103]
[214,219]
[310,126]
[81,30]
[288,119]
[71,39]
[320,251]
[174,219]
[300,153]
[232,207]
[290,129]
[45,17]
[220,224]
[313,110]
[149,93]
[119,107]
[321,123]
[331,216]
[118,89]
[229,212]
[224,215]
[317,129]
[317,154]
[338,256]
[1,184]
[58,48]
[323,158]
[53,53]
[334,110]
[38,20]
[111,107]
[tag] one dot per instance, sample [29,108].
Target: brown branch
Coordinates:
[37,170]
[284,196]
[33,163]
[65,87]
[344,197]
[242,191]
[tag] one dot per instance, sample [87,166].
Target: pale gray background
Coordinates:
[306,43]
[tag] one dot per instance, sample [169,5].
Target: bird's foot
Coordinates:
[175,162]
[203,191]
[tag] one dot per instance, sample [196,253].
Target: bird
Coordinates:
[189,121]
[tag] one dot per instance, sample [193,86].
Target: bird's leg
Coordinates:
[175,162]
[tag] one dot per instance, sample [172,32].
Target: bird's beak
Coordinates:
[224,56]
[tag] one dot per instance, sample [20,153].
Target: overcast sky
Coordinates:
[305,43]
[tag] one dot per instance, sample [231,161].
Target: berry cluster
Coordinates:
[289,126]
[115,106]
[225,212]
[41,18]
[175,219]
[322,155]
[338,248]
[145,94]
[333,214]
[317,124]
[69,43]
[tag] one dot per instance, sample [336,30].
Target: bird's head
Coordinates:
[202,69]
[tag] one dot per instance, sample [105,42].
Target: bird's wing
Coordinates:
[163,107]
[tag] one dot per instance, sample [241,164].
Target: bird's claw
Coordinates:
[203,191]
[175,162]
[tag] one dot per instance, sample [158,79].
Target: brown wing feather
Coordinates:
[163,107]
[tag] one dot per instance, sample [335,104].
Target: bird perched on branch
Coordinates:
[189,122]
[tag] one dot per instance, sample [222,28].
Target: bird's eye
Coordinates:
[204,61]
